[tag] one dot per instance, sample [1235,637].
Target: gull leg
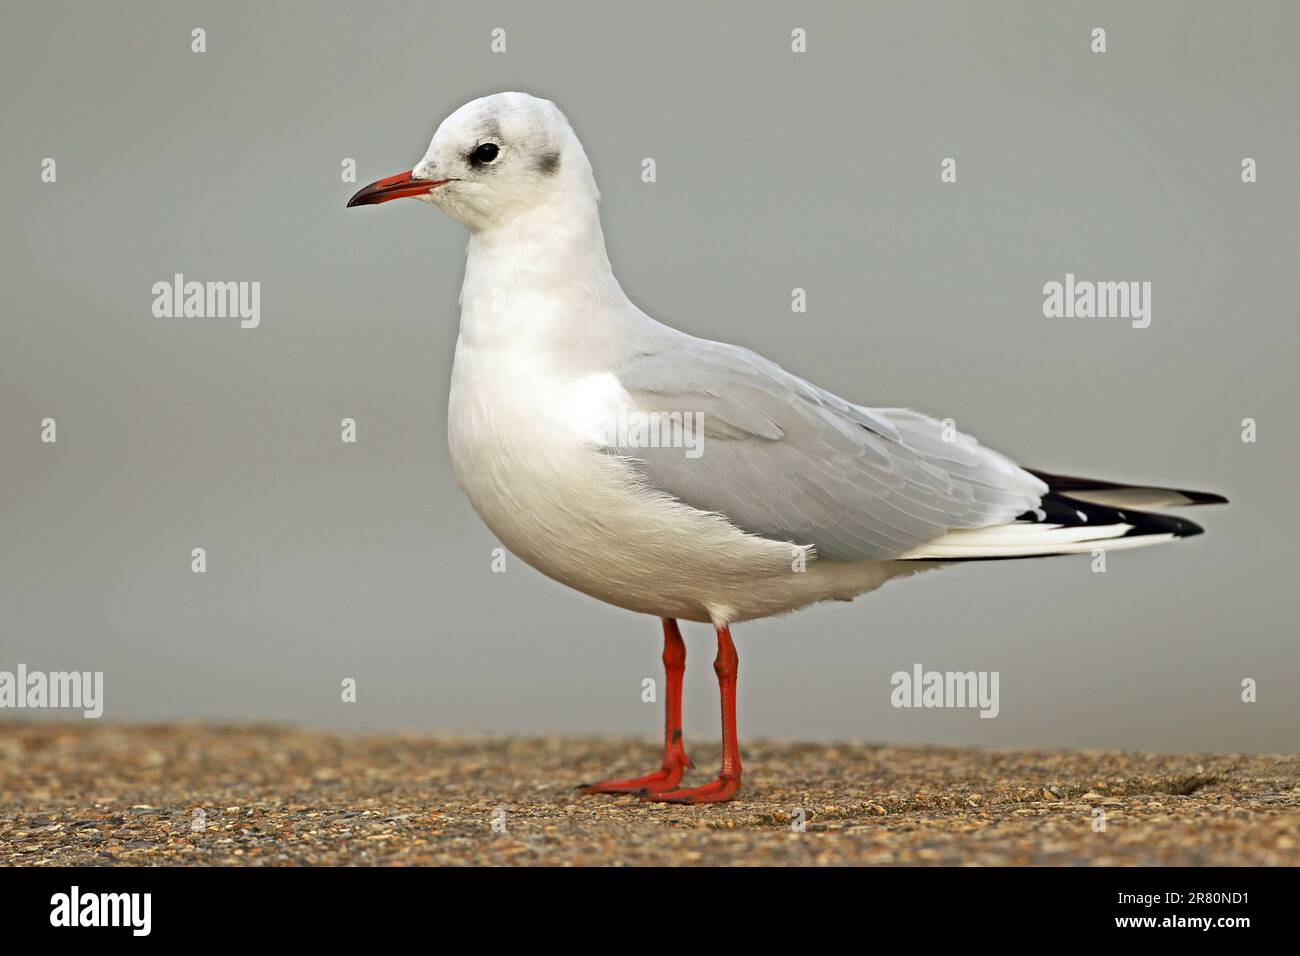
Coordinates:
[726,666]
[675,760]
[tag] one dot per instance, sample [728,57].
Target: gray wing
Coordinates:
[781,458]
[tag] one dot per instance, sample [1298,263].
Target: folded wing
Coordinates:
[781,458]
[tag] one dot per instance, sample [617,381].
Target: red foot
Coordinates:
[719,791]
[660,780]
[665,778]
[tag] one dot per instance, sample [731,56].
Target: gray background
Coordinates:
[775,170]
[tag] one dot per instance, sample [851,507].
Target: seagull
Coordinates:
[685,478]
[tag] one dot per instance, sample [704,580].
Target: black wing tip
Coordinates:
[1064,484]
[1060,508]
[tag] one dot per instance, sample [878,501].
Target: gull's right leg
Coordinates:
[675,760]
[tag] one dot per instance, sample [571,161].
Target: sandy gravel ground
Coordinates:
[99,795]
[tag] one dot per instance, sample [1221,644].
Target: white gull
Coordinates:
[758,492]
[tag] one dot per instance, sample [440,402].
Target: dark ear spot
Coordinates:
[548,164]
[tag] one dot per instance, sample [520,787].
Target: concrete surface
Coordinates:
[94,794]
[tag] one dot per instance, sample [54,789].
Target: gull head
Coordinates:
[494,159]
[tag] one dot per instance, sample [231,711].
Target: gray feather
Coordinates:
[786,460]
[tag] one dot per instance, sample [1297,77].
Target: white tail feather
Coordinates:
[1024,540]
[1143,499]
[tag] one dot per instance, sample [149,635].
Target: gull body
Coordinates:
[544,328]
[797,495]
[533,391]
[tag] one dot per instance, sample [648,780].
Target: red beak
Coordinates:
[394,187]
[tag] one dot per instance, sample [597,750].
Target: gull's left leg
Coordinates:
[726,666]
[675,761]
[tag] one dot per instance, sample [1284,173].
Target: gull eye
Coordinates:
[484,154]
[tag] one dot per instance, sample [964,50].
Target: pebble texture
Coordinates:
[90,794]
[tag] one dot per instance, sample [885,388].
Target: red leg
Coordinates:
[724,788]
[675,760]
